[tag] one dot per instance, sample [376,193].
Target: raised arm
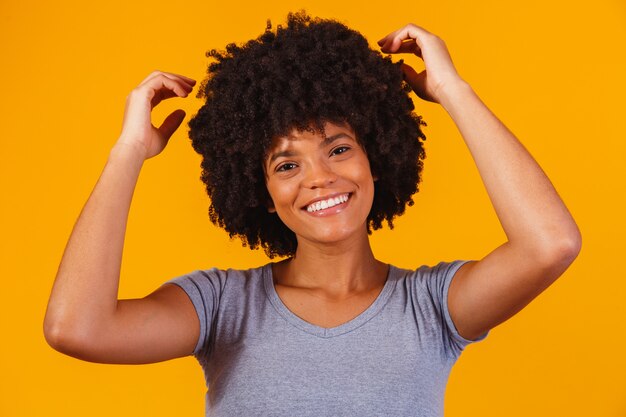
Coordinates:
[543,239]
[84,318]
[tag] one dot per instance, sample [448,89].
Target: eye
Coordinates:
[286,167]
[339,150]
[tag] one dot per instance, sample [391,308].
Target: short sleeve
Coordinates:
[439,285]
[204,288]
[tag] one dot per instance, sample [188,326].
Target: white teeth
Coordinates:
[324,204]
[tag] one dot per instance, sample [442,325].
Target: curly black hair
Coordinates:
[300,76]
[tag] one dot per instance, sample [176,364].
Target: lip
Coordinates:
[326,197]
[330,210]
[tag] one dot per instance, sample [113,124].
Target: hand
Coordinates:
[137,129]
[439,71]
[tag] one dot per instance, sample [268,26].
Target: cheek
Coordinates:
[366,179]
[364,173]
[281,194]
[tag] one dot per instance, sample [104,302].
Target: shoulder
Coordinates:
[217,276]
[428,288]
[215,290]
[429,284]
[212,284]
[427,275]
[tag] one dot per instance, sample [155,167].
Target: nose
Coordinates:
[319,175]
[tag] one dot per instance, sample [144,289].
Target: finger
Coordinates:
[187,79]
[392,42]
[168,74]
[171,123]
[161,95]
[177,77]
[400,44]
[417,81]
[386,44]
[382,42]
[190,82]
[161,88]
[409,46]
[180,82]
[410,75]
[388,38]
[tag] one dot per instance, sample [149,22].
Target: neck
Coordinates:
[340,270]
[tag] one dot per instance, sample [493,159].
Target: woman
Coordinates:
[309,142]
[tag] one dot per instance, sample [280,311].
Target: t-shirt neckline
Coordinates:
[313,329]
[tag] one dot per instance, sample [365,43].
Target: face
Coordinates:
[321,188]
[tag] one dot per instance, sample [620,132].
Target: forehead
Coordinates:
[329,131]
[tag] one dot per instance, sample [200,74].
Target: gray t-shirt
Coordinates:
[260,359]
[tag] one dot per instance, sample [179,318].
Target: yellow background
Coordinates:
[552,71]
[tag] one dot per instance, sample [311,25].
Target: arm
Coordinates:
[84,317]
[542,237]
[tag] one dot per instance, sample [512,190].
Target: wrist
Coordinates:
[128,150]
[127,154]
[450,93]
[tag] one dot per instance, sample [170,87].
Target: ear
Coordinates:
[271,209]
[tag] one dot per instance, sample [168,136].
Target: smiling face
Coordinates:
[321,187]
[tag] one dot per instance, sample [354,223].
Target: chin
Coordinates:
[330,236]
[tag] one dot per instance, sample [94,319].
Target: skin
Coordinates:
[542,237]
[334,275]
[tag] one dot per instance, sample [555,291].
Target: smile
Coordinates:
[328,203]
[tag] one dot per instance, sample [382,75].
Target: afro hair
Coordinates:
[301,76]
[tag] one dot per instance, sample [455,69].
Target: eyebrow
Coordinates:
[327,141]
